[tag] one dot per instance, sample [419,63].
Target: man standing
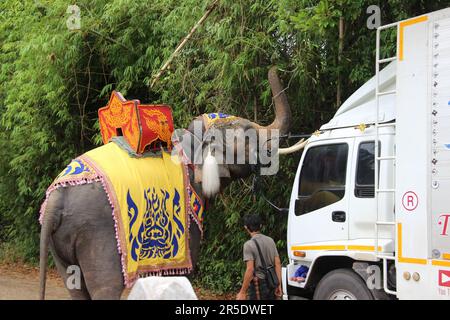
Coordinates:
[255,278]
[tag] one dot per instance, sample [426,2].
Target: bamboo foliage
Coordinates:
[53,80]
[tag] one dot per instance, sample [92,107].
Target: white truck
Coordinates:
[369,214]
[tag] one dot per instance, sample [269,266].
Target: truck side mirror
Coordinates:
[298,207]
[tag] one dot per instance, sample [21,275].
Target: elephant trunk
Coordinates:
[283,114]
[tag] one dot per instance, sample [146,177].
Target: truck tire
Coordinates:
[342,284]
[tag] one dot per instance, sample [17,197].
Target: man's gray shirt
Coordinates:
[268,249]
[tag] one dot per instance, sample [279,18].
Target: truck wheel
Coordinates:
[342,284]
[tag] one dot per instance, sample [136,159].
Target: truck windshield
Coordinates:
[323,176]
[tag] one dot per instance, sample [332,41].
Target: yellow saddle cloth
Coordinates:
[151,199]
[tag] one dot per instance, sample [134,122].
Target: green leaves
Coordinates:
[53,80]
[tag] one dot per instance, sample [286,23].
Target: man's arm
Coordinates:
[248,276]
[278,291]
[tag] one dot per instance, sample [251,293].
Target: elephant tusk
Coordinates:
[296,147]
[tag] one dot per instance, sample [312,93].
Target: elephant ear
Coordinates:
[198,174]
[189,143]
[224,172]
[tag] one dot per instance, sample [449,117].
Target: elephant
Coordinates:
[78,229]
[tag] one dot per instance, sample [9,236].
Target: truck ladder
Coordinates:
[379,158]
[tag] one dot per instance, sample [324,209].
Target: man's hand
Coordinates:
[278,291]
[241,296]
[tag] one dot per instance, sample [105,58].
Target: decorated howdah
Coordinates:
[144,127]
[152,205]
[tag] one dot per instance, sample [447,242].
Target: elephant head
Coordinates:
[230,147]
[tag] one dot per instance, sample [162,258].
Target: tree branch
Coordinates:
[183,43]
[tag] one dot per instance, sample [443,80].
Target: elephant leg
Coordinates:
[194,244]
[62,267]
[100,264]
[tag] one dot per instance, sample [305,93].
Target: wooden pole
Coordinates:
[183,42]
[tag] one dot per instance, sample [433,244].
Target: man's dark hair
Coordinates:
[252,222]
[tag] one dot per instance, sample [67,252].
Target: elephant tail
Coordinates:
[49,223]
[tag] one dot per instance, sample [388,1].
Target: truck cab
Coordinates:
[368,215]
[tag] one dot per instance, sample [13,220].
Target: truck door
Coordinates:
[319,201]
[363,209]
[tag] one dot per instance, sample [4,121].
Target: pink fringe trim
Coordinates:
[120,250]
[63,184]
[185,161]
[128,282]
[83,181]
[171,272]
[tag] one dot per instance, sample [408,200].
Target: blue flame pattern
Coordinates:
[161,228]
[77,166]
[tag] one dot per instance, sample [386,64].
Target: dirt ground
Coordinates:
[20,282]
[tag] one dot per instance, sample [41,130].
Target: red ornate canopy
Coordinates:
[144,127]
